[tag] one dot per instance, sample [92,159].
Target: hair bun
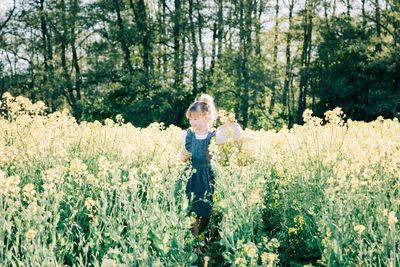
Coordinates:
[209,100]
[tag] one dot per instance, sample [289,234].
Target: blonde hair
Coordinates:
[203,106]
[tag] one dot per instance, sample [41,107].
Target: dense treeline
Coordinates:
[266,60]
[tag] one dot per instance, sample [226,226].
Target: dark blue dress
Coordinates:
[199,188]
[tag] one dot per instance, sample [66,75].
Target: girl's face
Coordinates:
[199,123]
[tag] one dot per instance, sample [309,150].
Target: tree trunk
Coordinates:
[75,58]
[305,61]
[202,51]
[195,51]
[334,8]
[326,17]
[288,66]
[163,37]
[177,44]
[348,6]
[213,49]
[364,19]
[275,58]
[257,48]
[179,58]
[245,30]
[220,27]
[378,46]
[122,39]
[63,36]
[47,56]
[141,20]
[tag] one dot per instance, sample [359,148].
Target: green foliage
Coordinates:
[227,86]
[354,74]
[102,58]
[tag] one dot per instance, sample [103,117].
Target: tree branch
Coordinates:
[382,25]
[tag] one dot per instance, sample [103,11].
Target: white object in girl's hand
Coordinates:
[228,132]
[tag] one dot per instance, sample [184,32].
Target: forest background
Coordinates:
[265,60]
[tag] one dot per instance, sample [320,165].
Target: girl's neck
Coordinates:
[201,132]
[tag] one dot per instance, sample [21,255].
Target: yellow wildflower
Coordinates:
[77,167]
[29,192]
[250,250]
[30,234]
[90,203]
[392,219]
[241,262]
[359,228]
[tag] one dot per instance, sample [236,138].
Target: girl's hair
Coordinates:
[204,105]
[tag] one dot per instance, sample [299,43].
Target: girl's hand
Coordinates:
[231,118]
[185,155]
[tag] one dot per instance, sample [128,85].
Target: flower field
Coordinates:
[108,194]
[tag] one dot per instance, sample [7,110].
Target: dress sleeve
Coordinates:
[183,135]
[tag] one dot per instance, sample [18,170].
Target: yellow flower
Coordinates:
[119,118]
[28,188]
[255,198]
[299,220]
[359,228]
[8,97]
[92,180]
[108,122]
[90,203]
[274,243]
[49,189]
[10,185]
[77,167]
[264,257]
[273,257]
[241,262]
[385,212]
[250,250]
[107,262]
[307,115]
[29,192]
[292,231]
[30,234]
[269,259]
[105,166]
[54,175]
[392,219]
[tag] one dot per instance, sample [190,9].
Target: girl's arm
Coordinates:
[184,155]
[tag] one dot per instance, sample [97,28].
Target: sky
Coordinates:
[4,6]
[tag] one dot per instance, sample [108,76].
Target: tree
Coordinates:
[365,85]
[288,79]
[143,25]
[308,15]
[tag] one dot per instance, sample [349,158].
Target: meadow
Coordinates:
[109,194]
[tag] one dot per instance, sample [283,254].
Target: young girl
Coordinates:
[199,188]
